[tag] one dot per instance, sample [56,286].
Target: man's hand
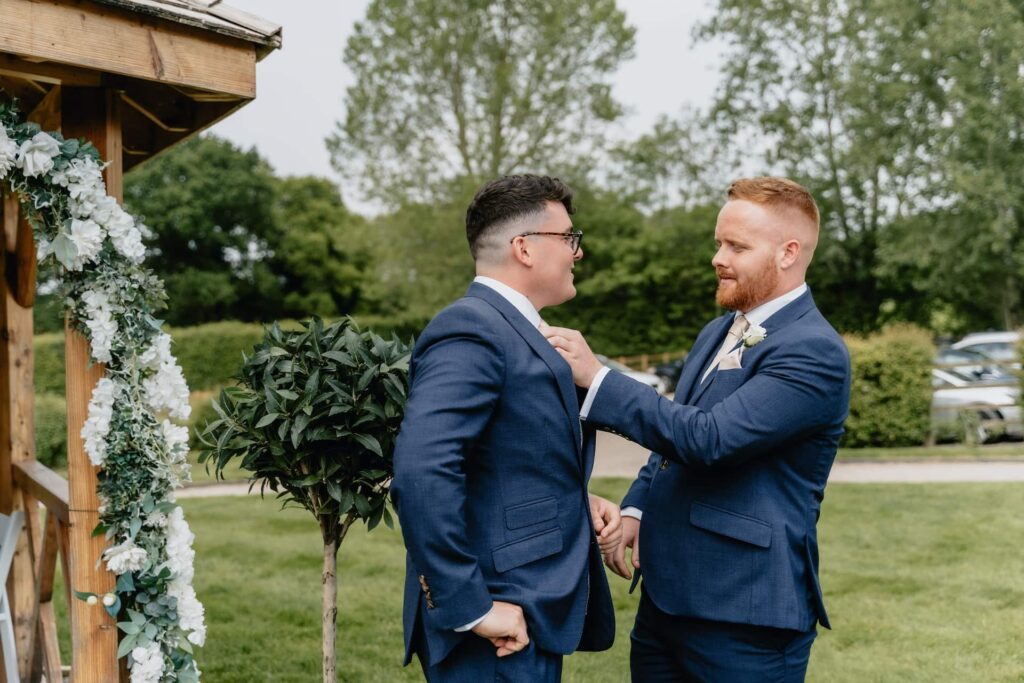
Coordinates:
[607,523]
[575,350]
[616,560]
[505,627]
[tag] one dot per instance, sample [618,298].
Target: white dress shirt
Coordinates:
[756,316]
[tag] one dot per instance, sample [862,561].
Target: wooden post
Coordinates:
[17,426]
[92,113]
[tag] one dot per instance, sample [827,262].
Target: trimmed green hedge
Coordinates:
[890,401]
[210,355]
[51,430]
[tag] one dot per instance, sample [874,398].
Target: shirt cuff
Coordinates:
[471,625]
[633,512]
[592,392]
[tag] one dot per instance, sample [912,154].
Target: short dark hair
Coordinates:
[511,197]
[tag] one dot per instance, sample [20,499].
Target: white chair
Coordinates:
[10,527]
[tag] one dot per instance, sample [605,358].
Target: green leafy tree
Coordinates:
[829,93]
[314,419]
[420,258]
[320,251]
[209,206]
[450,89]
[679,162]
[652,287]
[973,236]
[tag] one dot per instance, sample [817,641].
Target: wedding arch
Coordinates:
[130,78]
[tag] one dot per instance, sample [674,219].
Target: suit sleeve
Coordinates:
[637,495]
[795,392]
[455,387]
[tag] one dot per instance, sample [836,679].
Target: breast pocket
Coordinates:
[528,514]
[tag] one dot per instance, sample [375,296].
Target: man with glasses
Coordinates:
[504,568]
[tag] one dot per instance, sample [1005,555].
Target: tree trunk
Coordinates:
[329,577]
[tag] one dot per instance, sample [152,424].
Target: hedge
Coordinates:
[210,355]
[51,430]
[890,401]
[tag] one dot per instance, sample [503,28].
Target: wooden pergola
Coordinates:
[134,77]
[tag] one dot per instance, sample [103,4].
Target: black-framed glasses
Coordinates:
[574,238]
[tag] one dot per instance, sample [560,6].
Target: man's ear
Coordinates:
[521,252]
[790,254]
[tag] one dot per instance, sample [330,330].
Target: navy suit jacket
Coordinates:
[732,492]
[491,472]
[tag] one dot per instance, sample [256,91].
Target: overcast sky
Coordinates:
[300,88]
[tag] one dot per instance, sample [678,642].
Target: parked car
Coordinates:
[973,364]
[999,346]
[670,372]
[989,407]
[648,378]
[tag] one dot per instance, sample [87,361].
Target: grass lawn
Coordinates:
[994,451]
[922,582]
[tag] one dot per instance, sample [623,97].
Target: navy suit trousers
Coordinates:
[667,648]
[474,661]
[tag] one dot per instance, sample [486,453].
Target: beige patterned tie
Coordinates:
[739,326]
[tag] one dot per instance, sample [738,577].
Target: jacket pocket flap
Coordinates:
[534,512]
[530,549]
[731,524]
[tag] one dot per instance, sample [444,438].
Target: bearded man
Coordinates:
[730,497]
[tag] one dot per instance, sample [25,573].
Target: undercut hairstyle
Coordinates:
[507,203]
[775,192]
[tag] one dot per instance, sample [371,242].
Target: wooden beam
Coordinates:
[47,112]
[112,40]
[21,264]
[94,114]
[49,488]
[17,432]
[45,72]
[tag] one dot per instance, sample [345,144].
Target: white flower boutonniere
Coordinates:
[754,335]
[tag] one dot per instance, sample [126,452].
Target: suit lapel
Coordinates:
[787,314]
[532,336]
[699,359]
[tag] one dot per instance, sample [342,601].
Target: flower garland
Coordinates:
[111,298]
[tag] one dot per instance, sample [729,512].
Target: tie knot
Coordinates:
[739,325]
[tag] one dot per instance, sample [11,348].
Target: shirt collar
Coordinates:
[758,315]
[517,299]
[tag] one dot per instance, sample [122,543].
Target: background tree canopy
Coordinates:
[902,118]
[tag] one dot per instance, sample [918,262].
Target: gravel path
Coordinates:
[617,457]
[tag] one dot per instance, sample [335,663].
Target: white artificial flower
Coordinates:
[190,615]
[8,153]
[147,665]
[180,555]
[753,335]
[42,248]
[97,425]
[35,156]
[156,520]
[167,390]
[158,353]
[87,236]
[176,437]
[106,208]
[109,599]
[126,237]
[99,318]
[125,557]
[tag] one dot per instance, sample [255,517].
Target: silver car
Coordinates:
[989,408]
